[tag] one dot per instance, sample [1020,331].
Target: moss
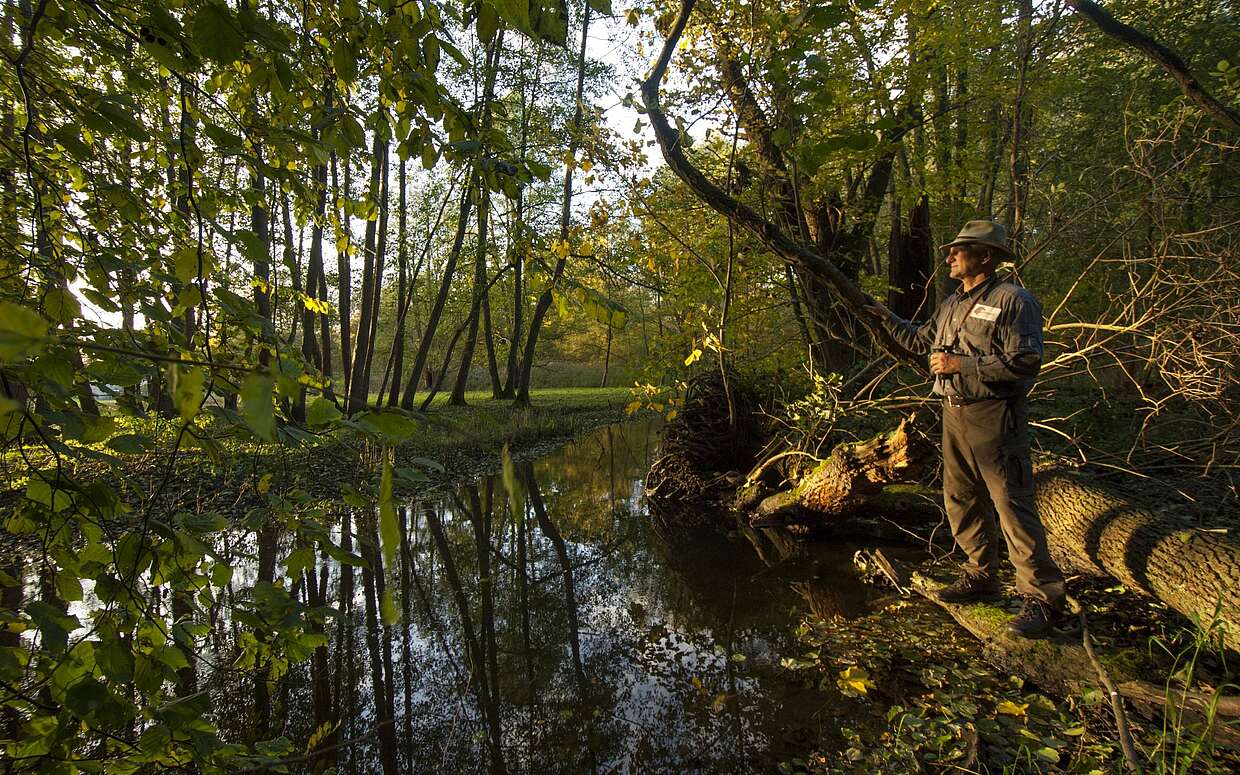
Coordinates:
[1124,662]
[911,489]
[989,613]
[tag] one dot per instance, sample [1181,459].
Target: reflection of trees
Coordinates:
[379,648]
[477,660]
[559,638]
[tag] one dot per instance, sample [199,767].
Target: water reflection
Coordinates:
[559,636]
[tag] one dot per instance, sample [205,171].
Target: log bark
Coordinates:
[1100,529]
[1095,528]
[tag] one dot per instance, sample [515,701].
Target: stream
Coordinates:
[566,636]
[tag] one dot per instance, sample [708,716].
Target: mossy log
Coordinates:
[1061,666]
[851,478]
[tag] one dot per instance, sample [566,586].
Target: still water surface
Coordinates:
[567,636]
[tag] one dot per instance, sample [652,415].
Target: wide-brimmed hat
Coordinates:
[981,232]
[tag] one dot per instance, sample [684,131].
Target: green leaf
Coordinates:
[96,429]
[53,624]
[391,425]
[516,13]
[488,22]
[122,113]
[155,739]
[344,61]
[115,660]
[22,332]
[340,555]
[387,608]
[299,560]
[55,498]
[549,19]
[256,406]
[61,305]
[68,586]
[602,6]
[130,444]
[221,574]
[188,391]
[216,33]
[321,412]
[86,697]
[389,528]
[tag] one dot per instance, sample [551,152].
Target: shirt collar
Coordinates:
[961,293]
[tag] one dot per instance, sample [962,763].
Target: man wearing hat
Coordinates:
[986,348]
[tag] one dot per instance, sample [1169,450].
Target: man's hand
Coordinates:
[945,363]
[876,309]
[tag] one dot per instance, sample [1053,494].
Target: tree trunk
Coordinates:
[380,260]
[432,323]
[402,279]
[1099,529]
[796,254]
[345,275]
[480,280]
[910,263]
[544,300]
[359,389]
[262,270]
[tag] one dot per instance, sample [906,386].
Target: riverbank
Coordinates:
[213,470]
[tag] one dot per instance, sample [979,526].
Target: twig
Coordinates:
[1117,703]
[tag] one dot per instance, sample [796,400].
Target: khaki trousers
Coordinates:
[987,469]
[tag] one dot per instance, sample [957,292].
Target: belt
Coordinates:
[958,401]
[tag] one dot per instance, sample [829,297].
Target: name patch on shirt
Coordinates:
[985,312]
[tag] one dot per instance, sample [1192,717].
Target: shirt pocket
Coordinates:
[977,336]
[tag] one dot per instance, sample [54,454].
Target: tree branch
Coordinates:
[770,234]
[1169,59]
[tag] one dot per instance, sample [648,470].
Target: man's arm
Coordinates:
[916,337]
[1020,355]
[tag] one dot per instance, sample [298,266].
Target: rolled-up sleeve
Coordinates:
[1018,340]
[914,337]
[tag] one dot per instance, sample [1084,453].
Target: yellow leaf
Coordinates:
[854,681]
[693,356]
[671,415]
[587,165]
[1011,708]
[633,407]
[264,484]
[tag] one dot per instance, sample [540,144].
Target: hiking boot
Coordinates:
[969,587]
[1035,619]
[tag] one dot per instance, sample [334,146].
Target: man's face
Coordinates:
[962,263]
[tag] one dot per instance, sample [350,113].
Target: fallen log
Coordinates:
[1094,527]
[851,478]
[1097,528]
[1063,667]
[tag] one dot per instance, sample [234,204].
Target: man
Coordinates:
[986,348]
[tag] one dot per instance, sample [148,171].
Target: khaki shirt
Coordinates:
[996,329]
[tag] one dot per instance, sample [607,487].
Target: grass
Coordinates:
[465,441]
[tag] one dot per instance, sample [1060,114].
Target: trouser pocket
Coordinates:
[1017,466]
